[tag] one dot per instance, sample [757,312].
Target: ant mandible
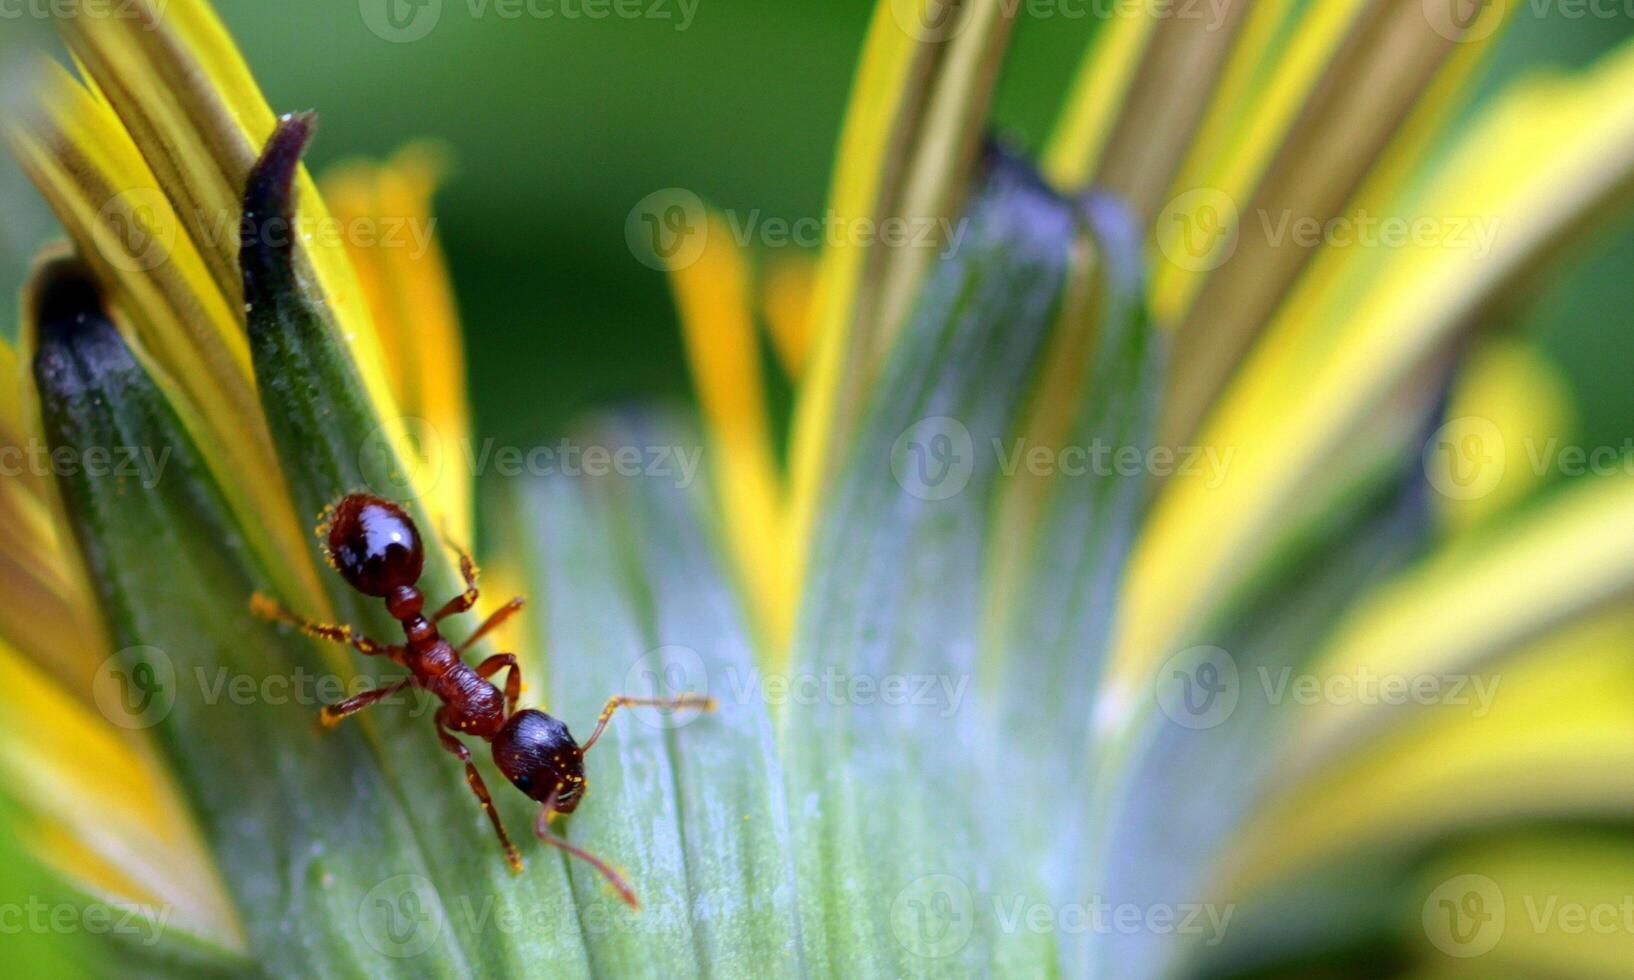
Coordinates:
[375,546]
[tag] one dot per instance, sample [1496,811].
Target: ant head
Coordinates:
[374,545]
[538,754]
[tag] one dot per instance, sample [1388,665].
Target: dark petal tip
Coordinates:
[270,187]
[72,325]
[65,296]
[266,234]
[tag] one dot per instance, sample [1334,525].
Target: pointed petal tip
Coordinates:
[266,233]
[269,191]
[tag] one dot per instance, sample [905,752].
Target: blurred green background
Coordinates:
[560,125]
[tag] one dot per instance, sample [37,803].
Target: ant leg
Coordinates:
[332,714]
[541,827]
[501,614]
[513,680]
[465,600]
[702,702]
[268,608]
[474,779]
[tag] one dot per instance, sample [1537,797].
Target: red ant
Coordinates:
[376,548]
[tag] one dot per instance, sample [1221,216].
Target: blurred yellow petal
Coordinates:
[723,349]
[1477,600]
[387,225]
[1559,904]
[1161,109]
[1369,89]
[786,307]
[1511,410]
[122,828]
[938,165]
[1537,167]
[1103,80]
[180,87]
[1547,733]
[1244,105]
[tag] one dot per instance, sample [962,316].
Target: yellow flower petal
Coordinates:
[723,349]
[1549,732]
[120,827]
[1517,409]
[1385,60]
[389,231]
[1104,77]
[786,306]
[77,153]
[1537,166]
[1477,600]
[45,611]
[1268,80]
[1164,104]
[180,87]
[1564,900]
[937,169]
